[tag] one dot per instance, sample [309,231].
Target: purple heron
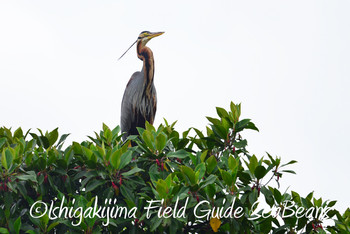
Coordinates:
[139,102]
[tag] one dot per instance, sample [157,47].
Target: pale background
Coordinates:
[287,62]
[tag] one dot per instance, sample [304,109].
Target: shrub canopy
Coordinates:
[170,182]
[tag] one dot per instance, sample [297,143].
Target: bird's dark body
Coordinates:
[139,102]
[136,106]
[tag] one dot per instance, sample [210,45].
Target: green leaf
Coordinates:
[240,144]
[253,196]
[198,132]
[289,171]
[189,173]
[116,131]
[226,177]
[28,176]
[178,154]
[17,224]
[105,127]
[161,140]
[6,158]
[220,131]
[62,139]
[107,133]
[251,126]
[155,223]
[209,180]
[18,133]
[127,192]
[211,163]
[306,203]
[242,124]
[222,112]
[253,163]
[317,202]
[115,158]
[185,133]
[201,169]
[44,220]
[2,141]
[291,162]
[226,124]
[149,127]
[295,197]
[4,231]
[41,163]
[331,203]
[260,172]
[232,163]
[94,184]
[209,131]
[44,142]
[162,188]
[203,155]
[214,121]
[125,159]
[277,195]
[148,138]
[52,225]
[268,196]
[31,232]
[132,171]
[210,190]
[53,136]
[309,196]
[236,111]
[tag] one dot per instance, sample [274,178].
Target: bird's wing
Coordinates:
[130,102]
[154,105]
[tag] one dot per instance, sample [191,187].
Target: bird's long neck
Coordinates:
[145,54]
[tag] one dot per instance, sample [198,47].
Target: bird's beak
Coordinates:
[156,34]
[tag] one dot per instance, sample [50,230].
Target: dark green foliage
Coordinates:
[182,170]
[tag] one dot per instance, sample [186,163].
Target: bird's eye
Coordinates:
[143,35]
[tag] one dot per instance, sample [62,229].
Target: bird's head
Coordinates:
[144,37]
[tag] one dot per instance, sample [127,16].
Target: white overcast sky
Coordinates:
[287,62]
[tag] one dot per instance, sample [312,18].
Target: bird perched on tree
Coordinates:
[140,98]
